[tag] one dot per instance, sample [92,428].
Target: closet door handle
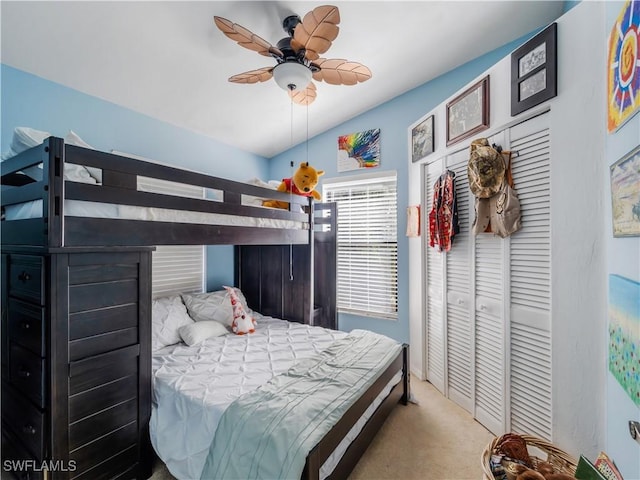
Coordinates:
[25,325]
[24,373]
[24,277]
[460,301]
[483,307]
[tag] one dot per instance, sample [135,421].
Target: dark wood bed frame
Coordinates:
[84,286]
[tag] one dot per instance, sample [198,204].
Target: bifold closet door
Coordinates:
[459,293]
[530,283]
[434,267]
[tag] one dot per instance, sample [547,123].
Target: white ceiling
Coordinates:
[169,61]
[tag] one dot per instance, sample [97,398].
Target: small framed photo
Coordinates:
[533,71]
[625,195]
[468,113]
[422,139]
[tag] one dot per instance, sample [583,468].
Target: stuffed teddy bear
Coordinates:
[242,322]
[303,182]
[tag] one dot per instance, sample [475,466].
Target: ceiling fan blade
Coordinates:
[317,30]
[246,38]
[253,76]
[304,97]
[338,71]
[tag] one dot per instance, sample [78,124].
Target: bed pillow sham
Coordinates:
[168,314]
[72,138]
[198,332]
[257,201]
[25,138]
[213,306]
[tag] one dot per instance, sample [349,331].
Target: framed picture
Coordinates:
[468,113]
[422,139]
[533,71]
[625,195]
[623,78]
[359,150]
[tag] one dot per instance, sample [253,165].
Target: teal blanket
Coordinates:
[268,433]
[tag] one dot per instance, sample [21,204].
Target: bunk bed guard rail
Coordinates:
[244,224]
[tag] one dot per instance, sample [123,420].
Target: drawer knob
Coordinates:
[25,325]
[24,277]
[22,373]
[29,430]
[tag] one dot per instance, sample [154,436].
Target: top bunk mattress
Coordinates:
[80,208]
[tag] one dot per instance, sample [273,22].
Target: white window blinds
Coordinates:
[367,244]
[175,268]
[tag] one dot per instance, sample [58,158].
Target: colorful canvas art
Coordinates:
[359,150]
[623,78]
[624,334]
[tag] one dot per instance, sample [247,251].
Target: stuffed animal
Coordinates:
[242,321]
[303,182]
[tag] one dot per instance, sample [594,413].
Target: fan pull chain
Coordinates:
[291,196]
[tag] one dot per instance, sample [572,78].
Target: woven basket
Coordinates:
[561,461]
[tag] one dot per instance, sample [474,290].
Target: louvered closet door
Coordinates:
[489,326]
[530,274]
[459,320]
[435,291]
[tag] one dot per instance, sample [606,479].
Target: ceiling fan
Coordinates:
[298,55]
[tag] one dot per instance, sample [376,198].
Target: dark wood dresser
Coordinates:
[76,368]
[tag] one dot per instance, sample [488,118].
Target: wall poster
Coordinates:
[624,334]
[359,150]
[623,78]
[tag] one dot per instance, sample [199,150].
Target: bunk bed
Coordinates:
[76,302]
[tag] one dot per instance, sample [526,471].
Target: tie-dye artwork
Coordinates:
[359,150]
[623,77]
[624,334]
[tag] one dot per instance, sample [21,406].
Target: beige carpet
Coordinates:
[433,440]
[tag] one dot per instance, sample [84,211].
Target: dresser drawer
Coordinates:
[24,421]
[26,326]
[16,461]
[26,373]
[26,278]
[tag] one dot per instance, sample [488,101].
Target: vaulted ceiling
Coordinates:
[168,60]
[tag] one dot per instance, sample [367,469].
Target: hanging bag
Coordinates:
[499,214]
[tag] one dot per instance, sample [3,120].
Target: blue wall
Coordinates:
[31,101]
[393,118]
[623,258]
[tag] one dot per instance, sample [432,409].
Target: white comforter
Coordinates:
[269,432]
[194,385]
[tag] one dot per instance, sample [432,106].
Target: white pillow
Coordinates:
[257,201]
[25,138]
[197,332]
[72,138]
[168,314]
[213,306]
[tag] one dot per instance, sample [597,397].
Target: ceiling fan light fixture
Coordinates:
[292,76]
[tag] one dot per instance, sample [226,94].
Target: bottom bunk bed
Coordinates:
[288,401]
[77,293]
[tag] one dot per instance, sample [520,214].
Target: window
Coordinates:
[175,268]
[367,244]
